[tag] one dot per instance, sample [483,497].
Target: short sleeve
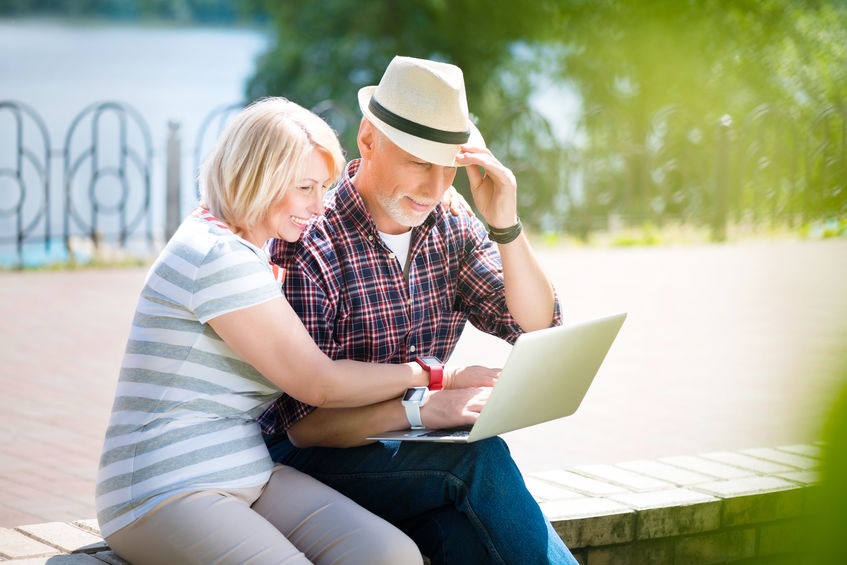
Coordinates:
[207,275]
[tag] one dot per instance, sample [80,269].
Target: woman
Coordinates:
[184,475]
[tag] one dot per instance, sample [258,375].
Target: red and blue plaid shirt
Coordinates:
[353,297]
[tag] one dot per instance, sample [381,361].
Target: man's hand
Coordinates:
[471,376]
[493,185]
[452,408]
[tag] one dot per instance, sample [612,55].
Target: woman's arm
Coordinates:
[272,339]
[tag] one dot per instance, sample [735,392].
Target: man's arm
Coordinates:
[529,293]
[348,427]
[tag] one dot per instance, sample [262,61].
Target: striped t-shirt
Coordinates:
[185,409]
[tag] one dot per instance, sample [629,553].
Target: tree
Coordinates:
[661,82]
[326,51]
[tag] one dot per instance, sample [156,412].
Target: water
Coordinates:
[165,73]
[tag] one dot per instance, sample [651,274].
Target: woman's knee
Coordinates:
[398,549]
[378,542]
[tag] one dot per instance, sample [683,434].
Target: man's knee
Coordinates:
[490,451]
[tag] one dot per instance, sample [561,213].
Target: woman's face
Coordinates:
[289,217]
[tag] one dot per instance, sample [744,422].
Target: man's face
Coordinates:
[405,188]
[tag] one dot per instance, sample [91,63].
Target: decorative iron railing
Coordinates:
[771,166]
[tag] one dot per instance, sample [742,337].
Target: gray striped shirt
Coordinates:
[185,409]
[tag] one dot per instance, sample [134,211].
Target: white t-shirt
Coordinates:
[185,409]
[399,244]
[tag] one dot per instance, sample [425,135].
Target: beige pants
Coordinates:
[293,519]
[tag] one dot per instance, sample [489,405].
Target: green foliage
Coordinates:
[836,227]
[647,235]
[326,51]
[710,56]
[696,110]
[712,110]
[823,533]
[709,112]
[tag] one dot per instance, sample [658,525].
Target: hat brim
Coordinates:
[430,151]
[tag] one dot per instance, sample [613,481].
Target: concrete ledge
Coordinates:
[56,543]
[722,507]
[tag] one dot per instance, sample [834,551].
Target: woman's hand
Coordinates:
[455,203]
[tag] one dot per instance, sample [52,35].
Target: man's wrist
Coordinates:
[412,401]
[505,235]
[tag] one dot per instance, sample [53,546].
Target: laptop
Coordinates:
[545,377]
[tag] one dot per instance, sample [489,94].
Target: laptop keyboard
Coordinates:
[452,432]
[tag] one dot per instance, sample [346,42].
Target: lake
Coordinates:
[165,73]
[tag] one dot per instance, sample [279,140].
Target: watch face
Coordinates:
[414,394]
[430,360]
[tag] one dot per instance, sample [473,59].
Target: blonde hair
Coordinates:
[261,154]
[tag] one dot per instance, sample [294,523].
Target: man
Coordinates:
[388,276]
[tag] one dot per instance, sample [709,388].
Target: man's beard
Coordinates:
[394,209]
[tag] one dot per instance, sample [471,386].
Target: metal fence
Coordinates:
[99,181]
[96,190]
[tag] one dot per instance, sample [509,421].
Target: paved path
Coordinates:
[726,347]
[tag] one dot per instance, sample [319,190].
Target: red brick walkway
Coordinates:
[726,347]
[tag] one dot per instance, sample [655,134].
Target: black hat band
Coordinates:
[416,129]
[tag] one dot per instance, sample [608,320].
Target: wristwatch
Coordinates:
[413,399]
[436,370]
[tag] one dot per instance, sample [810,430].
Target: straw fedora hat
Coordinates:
[421,106]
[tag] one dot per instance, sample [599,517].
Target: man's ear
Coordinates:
[366,138]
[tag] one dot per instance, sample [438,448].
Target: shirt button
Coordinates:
[412,348]
[391,255]
[409,302]
[370,238]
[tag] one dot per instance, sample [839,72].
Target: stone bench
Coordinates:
[721,507]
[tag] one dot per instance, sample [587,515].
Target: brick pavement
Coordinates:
[726,347]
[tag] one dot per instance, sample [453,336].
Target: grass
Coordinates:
[645,235]
[649,234]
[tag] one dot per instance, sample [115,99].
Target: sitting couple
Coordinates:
[238,428]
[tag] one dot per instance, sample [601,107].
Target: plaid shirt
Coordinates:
[353,297]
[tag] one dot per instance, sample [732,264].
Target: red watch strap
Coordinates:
[436,373]
[436,377]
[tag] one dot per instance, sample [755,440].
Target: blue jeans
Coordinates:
[461,503]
